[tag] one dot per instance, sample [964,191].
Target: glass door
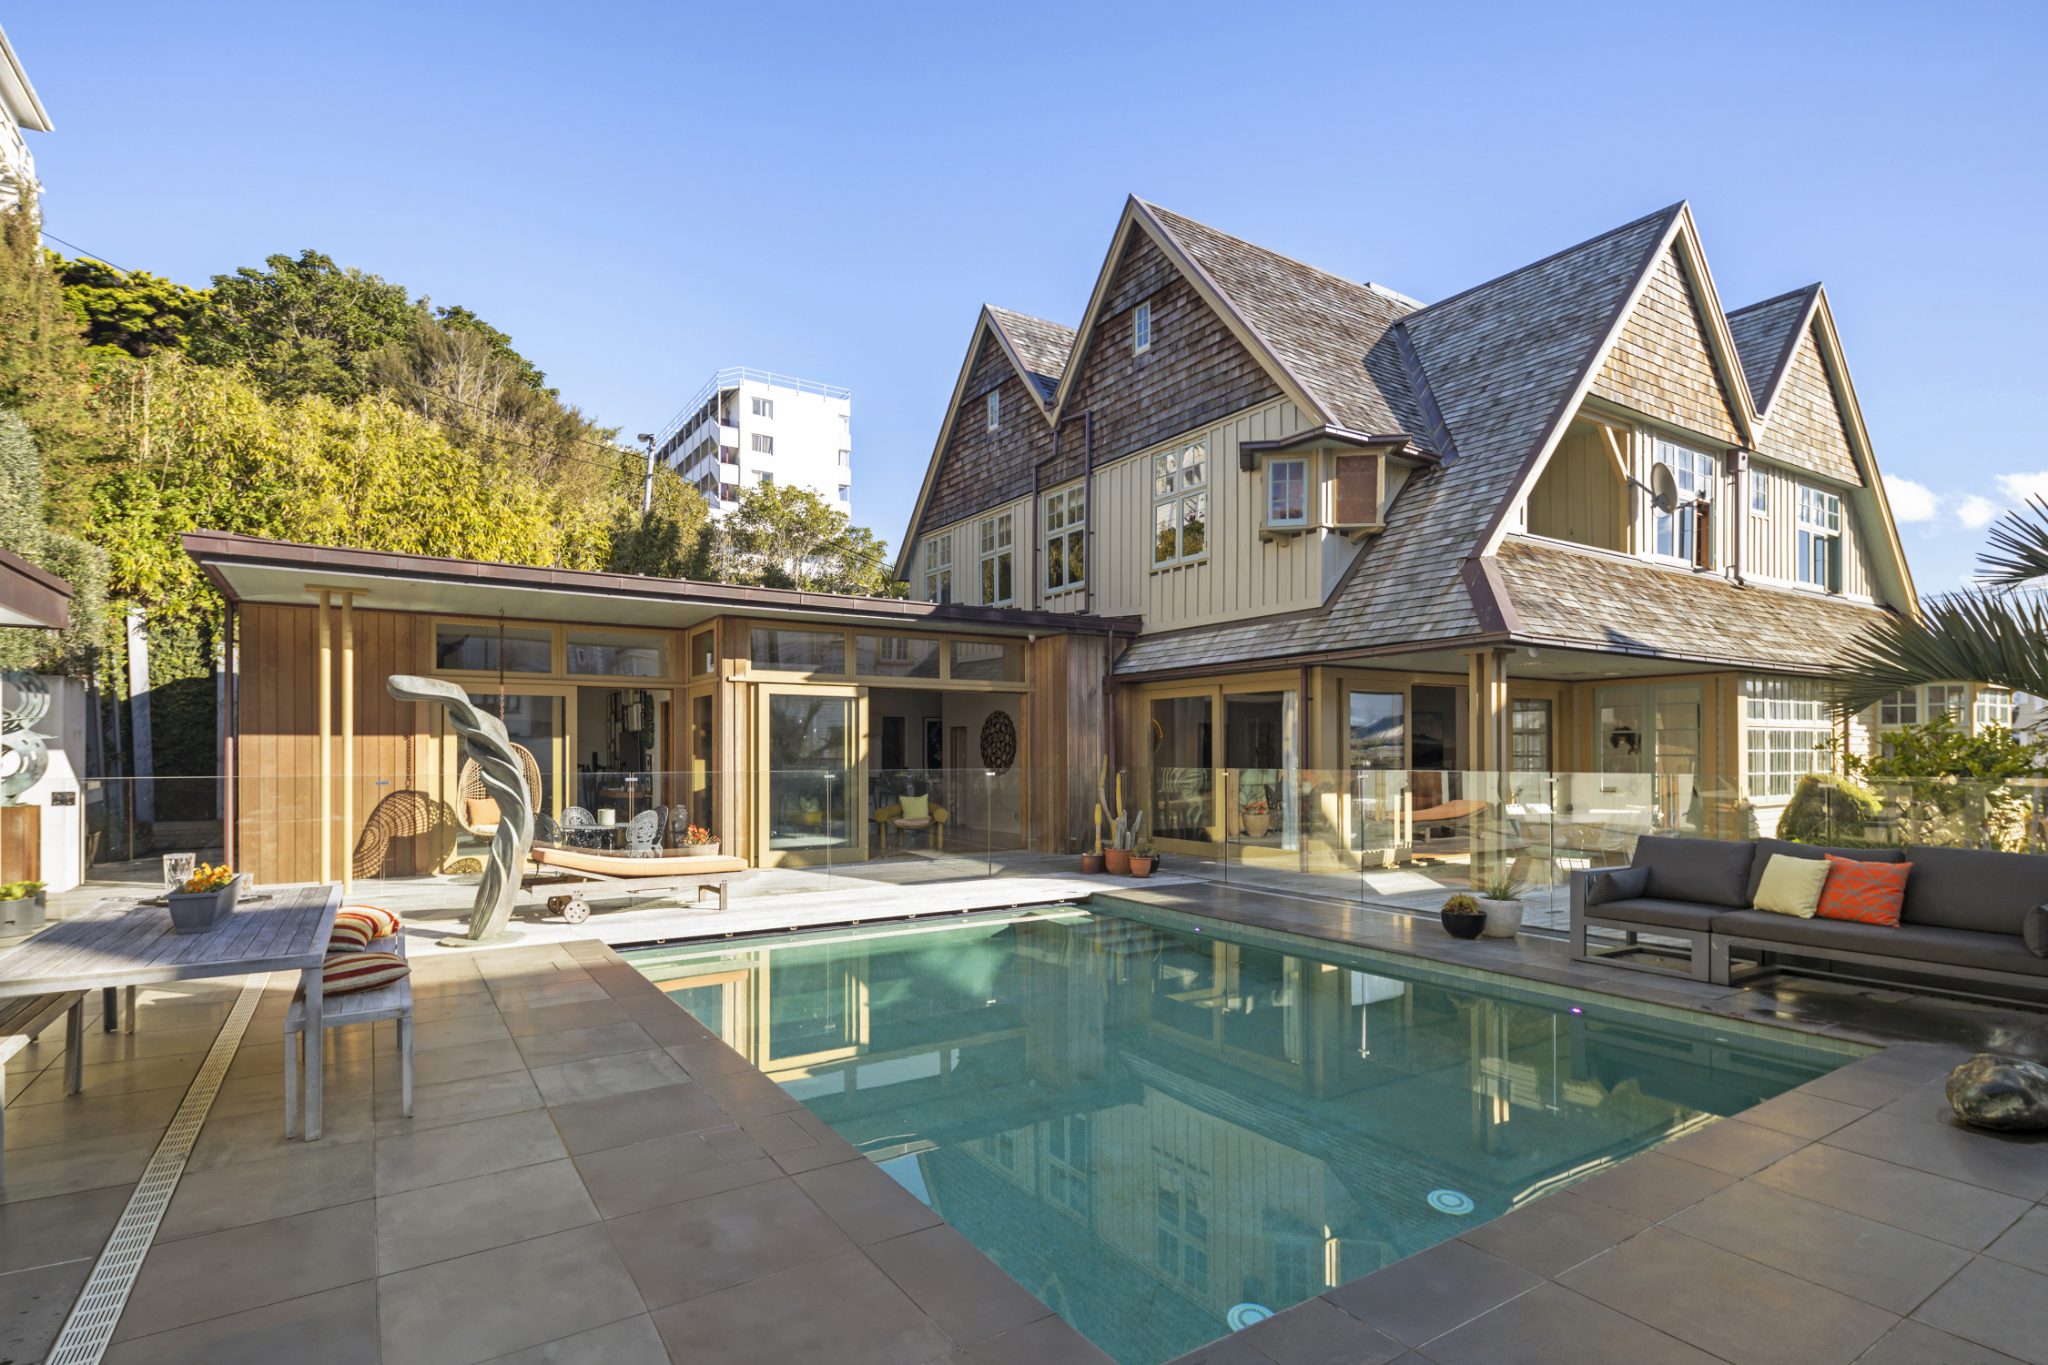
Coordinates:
[1182,741]
[1259,730]
[538,723]
[699,765]
[811,783]
[1376,752]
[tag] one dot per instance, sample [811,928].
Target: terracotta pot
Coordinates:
[1091,863]
[1118,861]
[1463,924]
[1141,865]
[1255,826]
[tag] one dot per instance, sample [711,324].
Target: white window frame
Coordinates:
[998,559]
[764,407]
[1993,707]
[1759,492]
[1697,475]
[763,443]
[995,409]
[846,492]
[1953,698]
[846,459]
[1141,328]
[1065,519]
[1788,726]
[1301,479]
[1819,538]
[1174,496]
[938,569]
[1901,708]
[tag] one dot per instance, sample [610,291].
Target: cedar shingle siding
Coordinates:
[1195,372]
[982,468]
[1660,365]
[1804,425]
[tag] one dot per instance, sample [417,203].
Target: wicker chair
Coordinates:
[474,806]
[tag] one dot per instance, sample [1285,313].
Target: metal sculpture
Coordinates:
[24,754]
[485,742]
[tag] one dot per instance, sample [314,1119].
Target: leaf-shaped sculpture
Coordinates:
[484,739]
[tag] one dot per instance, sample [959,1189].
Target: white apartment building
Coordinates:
[19,110]
[750,427]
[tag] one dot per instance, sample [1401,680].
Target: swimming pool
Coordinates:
[1167,1128]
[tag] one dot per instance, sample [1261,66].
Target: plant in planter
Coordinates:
[208,894]
[1258,818]
[1500,899]
[699,842]
[1124,831]
[21,907]
[1462,917]
[1141,859]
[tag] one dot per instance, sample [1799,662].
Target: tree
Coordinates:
[25,530]
[783,536]
[302,326]
[46,375]
[672,539]
[132,312]
[456,318]
[1997,633]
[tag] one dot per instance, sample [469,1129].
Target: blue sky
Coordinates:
[640,193]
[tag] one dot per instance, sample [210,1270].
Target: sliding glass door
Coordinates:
[811,802]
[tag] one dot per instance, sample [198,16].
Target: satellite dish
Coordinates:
[1663,489]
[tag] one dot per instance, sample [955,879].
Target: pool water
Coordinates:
[1167,1132]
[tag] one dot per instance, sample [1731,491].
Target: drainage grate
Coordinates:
[91,1324]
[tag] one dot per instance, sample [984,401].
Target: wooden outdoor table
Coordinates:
[120,942]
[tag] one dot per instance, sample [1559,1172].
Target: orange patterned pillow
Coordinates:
[383,923]
[346,973]
[1868,893]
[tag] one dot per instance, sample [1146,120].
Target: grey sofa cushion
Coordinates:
[1766,848]
[1659,914]
[1616,884]
[1960,888]
[1702,871]
[2035,931]
[1909,943]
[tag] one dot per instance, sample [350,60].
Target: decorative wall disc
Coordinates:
[998,742]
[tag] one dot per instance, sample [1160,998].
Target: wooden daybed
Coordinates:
[568,876]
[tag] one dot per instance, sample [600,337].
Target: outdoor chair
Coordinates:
[643,833]
[475,807]
[578,826]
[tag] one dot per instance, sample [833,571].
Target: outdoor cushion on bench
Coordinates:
[1663,913]
[1766,849]
[1699,871]
[1959,888]
[619,865]
[1910,943]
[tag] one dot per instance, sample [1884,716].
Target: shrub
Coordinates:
[1826,809]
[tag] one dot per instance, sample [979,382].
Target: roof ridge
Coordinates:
[1387,292]
[1028,317]
[1669,212]
[1775,298]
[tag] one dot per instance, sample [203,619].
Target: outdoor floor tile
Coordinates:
[333,1327]
[557,1018]
[98,1048]
[477,1307]
[68,1167]
[92,1115]
[313,1176]
[596,1077]
[842,1310]
[865,1202]
[647,1175]
[677,1028]
[965,1293]
[636,1116]
[570,1045]
[1051,1340]
[466,1061]
[1555,1233]
[1733,1147]
[2024,1243]
[1551,1324]
[709,1057]
[1882,1265]
[1995,1304]
[1428,1294]
[258,1135]
[1652,1186]
[2012,1165]
[34,1304]
[1314,1332]
[461,1150]
[681,1251]
[1949,1211]
[219,1273]
[1802,1114]
[462,1031]
[36,1232]
[1726,1304]
[630,1341]
[440,1222]
[1915,1343]
[746,1095]
[436,1106]
[114,1078]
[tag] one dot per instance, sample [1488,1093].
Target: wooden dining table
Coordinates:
[122,942]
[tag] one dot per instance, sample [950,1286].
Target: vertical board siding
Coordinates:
[1773,545]
[1581,496]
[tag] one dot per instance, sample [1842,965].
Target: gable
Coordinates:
[1660,365]
[1804,426]
[1195,372]
[980,468]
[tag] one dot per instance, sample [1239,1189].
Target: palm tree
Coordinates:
[1996,632]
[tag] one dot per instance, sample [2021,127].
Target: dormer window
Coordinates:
[1683,532]
[995,409]
[1141,328]
[1820,539]
[1287,495]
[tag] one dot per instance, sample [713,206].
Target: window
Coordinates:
[764,444]
[1678,532]
[1994,707]
[895,656]
[1068,1151]
[489,648]
[1180,504]
[1180,1216]
[798,651]
[1529,735]
[1954,698]
[938,569]
[998,561]
[1789,727]
[1141,328]
[1820,539]
[846,459]
[1287,492]
[1759,492]
[703,653]
[995,409]
[1066,519]
[846,492]
[614,654]
[765,480]
[1900,708]
[986,661]
[764,407]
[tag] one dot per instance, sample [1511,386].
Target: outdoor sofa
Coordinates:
[1964,917]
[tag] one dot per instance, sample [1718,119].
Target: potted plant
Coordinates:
[1500,899]
[21,907]
[699,842]
[1141,859]
[1091,859]
[1258,818]
[204,897]
[1462,917]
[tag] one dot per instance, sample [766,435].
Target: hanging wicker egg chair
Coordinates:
[475,807]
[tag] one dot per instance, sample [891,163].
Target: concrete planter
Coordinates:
[22,916]
[194,912]
[714,849]
[1503,918]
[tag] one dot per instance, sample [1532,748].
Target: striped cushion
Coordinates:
[1868,893]
[346,973]
[351,934]
[383,923]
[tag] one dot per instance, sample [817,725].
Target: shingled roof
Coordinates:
[1503,362]
[1042,345]
[1765,335]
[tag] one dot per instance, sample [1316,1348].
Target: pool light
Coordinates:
[1454,1202]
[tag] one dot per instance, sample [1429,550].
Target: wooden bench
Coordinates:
[22,1021]
[338,1011]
